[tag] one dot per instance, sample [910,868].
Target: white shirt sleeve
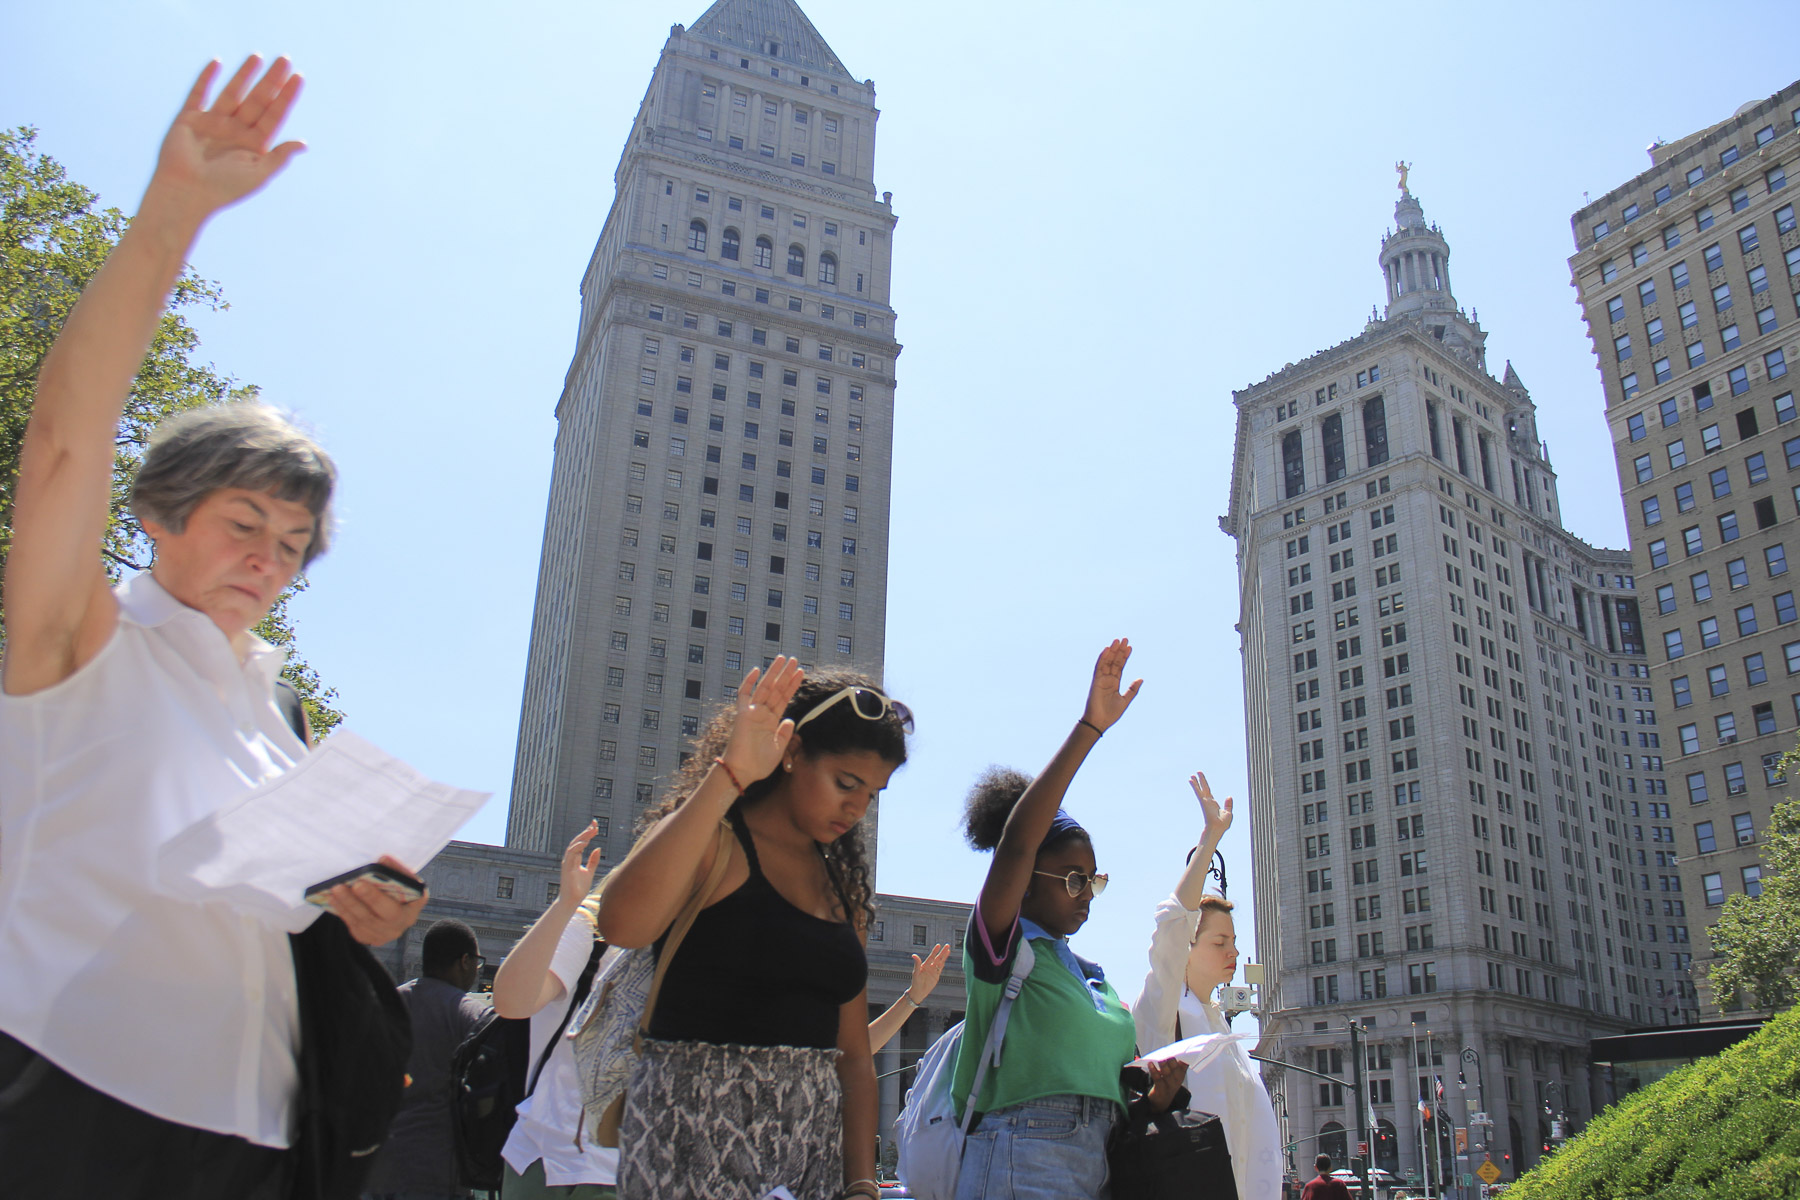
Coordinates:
[1154,1012]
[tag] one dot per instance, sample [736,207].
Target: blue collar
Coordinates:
[1087,973]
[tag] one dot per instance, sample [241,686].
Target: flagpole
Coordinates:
[1419,1110]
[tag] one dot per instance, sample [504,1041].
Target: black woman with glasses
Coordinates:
[757,1072]
[1046,1110]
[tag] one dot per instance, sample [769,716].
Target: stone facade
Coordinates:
[721,480]
[1445,719]
[1688,277]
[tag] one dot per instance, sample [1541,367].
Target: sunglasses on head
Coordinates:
[867,703]
[1077,882]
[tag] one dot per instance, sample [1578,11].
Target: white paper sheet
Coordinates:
[1198,1051]
[347,803]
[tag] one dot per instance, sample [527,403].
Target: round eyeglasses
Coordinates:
[1078,882]
[867,703]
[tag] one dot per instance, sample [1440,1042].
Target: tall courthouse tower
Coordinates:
[725,431]
[1456,771]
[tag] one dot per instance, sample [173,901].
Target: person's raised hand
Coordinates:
[926,973]
[1217,816]
[761,731]
[1106,703]
[373,915]
[578,876]
[216,155]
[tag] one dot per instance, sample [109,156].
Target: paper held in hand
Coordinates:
[345,804]
[1196,1052]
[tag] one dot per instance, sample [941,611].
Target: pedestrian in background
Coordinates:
[418,1160]
[1324,1187]
[148,1043]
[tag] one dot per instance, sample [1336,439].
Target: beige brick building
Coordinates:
[1450,740]
[1687,276]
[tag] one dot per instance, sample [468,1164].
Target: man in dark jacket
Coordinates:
[418,1159]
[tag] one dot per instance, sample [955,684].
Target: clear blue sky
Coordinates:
[1110,216]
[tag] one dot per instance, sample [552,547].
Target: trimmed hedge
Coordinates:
[1723,1128]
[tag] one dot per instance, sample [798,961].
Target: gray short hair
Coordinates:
[240,445]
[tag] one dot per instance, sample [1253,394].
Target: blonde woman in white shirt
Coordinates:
[148,1043]
[1193,953]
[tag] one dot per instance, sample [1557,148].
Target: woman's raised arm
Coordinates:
[1010,873]
[59,611]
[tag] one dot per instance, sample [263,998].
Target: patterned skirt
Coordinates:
[710,1122]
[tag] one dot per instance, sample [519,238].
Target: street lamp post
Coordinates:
[1471,1055]
[1556,1112]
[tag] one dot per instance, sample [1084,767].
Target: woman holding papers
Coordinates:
[1193,953]
[756,1073]
[148,1042]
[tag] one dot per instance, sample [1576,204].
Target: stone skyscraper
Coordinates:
[1450,737]
[1688,275]
[720,488]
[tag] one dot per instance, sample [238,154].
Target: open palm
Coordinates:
[761,731]
[217,155]
[1106,703]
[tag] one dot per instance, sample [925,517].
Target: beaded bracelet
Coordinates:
[729,773]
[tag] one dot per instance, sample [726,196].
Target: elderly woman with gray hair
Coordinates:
[148,1044]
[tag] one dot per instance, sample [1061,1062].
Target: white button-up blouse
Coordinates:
[185,1010]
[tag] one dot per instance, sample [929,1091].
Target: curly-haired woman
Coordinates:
[756,1073]
[1046,1111]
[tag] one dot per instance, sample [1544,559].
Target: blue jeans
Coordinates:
[1051,1148]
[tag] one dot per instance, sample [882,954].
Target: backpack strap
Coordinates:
[1024,958]
[582,986]
[683,922]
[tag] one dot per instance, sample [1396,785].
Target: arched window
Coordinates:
[765,253]
[797,260]
[1333,1142]
[728,244]
[1375,439]
[1333,431]
[697,236]
[1387,1146]
[827,268]
[1293,466]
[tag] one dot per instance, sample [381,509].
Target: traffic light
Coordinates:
[1546,1149]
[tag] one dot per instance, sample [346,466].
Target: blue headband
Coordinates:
[1061,825]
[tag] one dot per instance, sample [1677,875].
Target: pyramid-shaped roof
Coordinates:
[772,29]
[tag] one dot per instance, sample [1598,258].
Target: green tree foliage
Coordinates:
[1757,939]
[52,241]
[1724,1128]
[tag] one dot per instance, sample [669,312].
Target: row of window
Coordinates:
[1697,174]
[729,287]
[1725,726]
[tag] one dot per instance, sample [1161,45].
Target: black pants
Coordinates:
[61,1138]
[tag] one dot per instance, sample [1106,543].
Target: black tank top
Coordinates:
[756,971]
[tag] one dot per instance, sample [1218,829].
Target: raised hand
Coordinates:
[578,876]
[761,732]
[215,156]
[1216,816]
[926,973]
[1105,702]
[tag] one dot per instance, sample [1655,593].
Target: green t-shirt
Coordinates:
[1057,1042]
